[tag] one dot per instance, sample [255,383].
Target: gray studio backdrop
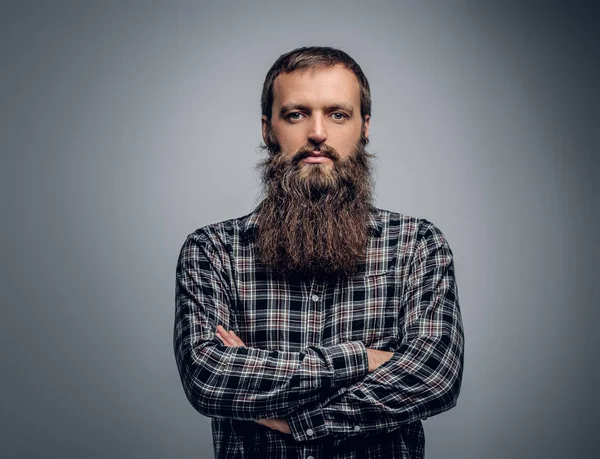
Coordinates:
[127,125]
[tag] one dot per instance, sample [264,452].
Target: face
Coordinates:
[313,110]
[317,176]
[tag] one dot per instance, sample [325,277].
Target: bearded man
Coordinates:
[318,326]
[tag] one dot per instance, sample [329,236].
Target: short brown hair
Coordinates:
[311,57]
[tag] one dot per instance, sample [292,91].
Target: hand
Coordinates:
[377,358]
[230,339]
[276,424]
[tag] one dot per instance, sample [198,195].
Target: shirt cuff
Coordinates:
[307,425]
[349,362]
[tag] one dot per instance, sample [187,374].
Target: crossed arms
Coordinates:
[323,390]
[376,358]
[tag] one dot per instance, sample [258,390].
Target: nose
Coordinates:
[318,133]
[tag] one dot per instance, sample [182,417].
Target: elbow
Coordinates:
[447,389]
[444,400]
[198,393]
[198,383]
[451,395]
[211,389]
[451,380]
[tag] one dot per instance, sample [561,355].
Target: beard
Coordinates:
[314,217]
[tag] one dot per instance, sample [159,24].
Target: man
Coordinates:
[318,326]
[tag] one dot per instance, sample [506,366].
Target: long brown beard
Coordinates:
[313,220]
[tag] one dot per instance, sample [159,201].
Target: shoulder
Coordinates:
[408,226]
[415,236]
[220,236]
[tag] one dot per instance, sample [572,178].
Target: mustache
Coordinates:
[324,149]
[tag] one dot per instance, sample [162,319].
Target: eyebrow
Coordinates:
[339,106]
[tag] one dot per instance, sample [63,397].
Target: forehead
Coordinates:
[317,86]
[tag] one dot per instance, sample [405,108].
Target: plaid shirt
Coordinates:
[305,358]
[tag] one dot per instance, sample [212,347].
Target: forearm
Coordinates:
[423,378]
[250,383]
[399,392]
[244,383]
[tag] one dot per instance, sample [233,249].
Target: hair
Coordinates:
[312,57]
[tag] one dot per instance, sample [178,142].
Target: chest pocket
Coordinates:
[368,310]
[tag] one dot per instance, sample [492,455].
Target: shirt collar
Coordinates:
[374,223]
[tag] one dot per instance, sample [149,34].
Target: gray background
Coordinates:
[127,125]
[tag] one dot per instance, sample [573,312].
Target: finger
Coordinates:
[281,425]
[225,339]
[238,341]
[221,338]
[231,339]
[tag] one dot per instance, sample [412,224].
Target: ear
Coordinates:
[367,124]
[264,125]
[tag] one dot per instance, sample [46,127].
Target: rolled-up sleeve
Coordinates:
[423,378]
[244,382]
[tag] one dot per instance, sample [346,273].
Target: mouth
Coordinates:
[316,157]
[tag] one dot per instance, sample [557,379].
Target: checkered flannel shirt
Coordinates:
[306,338]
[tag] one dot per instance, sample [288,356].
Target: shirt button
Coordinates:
[356,428]
[310,457]
[309,432]
[315,297]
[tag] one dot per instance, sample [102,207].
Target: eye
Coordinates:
[338,116]
[294,116]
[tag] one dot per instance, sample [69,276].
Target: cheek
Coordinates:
[344,145]
[289,139]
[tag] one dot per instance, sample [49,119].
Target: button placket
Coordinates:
[317,290]
[316,295]
[308,454]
